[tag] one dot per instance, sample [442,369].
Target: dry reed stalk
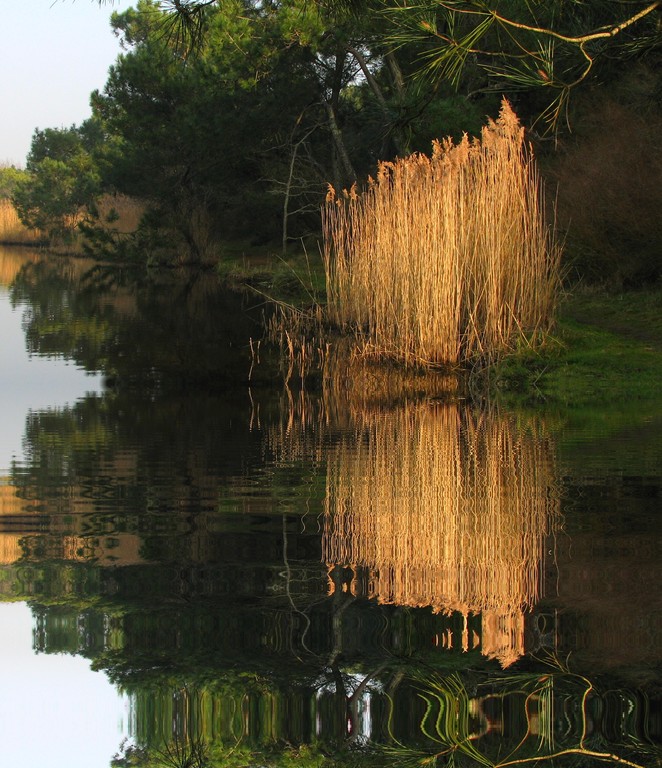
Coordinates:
[445,258]
[300,338]
[433,505]
[12,229]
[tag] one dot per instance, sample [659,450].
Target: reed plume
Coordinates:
[445,258]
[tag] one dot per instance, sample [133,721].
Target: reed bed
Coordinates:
[444,259]
[434,505]
[12,229]
[120,216]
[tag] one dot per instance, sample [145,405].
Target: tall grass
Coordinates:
[12,229]
[446,258]
[121,214]
[118,216]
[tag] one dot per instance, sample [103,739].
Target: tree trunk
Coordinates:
[349,173]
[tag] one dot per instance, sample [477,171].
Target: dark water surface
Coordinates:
[189,550]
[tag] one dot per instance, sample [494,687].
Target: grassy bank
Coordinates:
[606,350]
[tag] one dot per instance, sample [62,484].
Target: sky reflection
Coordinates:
[55,709]
[30,382]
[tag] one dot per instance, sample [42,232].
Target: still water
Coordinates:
[192,553]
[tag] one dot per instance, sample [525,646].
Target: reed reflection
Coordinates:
[12,261]
[434,504]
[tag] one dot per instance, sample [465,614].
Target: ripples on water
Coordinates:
[271,572]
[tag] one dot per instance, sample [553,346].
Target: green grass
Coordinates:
[633,314]
[596,365]
[606,350]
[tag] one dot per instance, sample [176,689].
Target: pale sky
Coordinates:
[54,53]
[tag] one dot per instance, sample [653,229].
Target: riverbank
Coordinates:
[606,349]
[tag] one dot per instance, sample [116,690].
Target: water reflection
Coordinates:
[54,711]
[144,331]
[13,260]
[259,568]
[438,505]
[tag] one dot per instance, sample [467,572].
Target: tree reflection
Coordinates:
[163,329]
[290,577]
[424,717]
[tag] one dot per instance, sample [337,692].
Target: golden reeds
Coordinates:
[12,229]
[444,258]
[119,214]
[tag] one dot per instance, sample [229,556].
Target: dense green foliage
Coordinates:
[62,177]
[239,137]
[228,120]
[9,178]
